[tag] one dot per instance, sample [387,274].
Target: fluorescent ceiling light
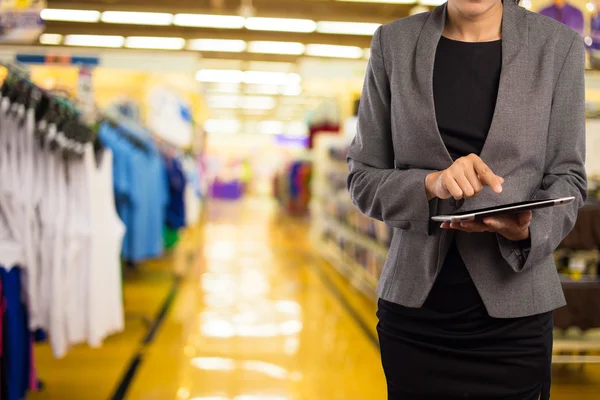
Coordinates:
[148,42]
[293,90]
[257,102]
[224,88]
[286,90]
[381,1]
[232,46]
[271,127]
[434,3]
[94,40]
[220,75]
[137,18]
[291,48]
[223,101]
[281,24]
[262,89]
[347,28]
[275,78]
[250,77]
[270,66]
[55,14]
[222,126]
[297,128]
[254,112]
[327,50]
[209,21]
[50,38]
[245,102]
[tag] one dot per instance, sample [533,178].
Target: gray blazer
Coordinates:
[536,143]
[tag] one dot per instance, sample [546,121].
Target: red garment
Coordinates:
[321,128]
[33,381]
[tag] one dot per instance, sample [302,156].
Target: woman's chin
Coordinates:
[474,8]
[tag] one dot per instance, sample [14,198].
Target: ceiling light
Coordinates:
[223,101]
[148,42]
[281,24]
[50,38]
[380,1]
[137,18]
[297,128]
[94,40]
[209,21]
[245,102]
[291,48]
[434,3]
[224,88]
[293,90]
[232,46]
[590,6]
[327,50]
[255,112]
[250,77]
[222,126]
[54,14]
[262,89]
[275,78]
[527,4]
[257,102]
[271,127]
[220,75]
[347,28]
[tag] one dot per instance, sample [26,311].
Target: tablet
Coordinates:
[503,210]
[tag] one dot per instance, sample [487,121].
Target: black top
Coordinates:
[466,77]
[465,86]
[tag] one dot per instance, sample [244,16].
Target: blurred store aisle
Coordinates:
[260,318]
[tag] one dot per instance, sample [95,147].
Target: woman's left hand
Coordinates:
[512,227]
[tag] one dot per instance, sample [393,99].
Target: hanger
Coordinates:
[49,109]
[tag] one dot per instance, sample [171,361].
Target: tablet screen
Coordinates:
[522,203]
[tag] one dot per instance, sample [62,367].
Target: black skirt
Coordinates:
[467,354]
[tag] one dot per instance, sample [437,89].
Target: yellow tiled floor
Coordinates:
[258,316]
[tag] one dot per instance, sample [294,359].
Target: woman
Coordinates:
[478,103]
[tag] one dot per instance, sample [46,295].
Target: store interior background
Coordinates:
[267,291]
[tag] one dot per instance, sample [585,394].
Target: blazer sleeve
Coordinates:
[564,172]
[397,197]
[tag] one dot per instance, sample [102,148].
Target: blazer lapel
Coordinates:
[424,63]
[514,71]
[505,135]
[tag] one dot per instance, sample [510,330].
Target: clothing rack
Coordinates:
[127,134]
[71,135]
[58,220]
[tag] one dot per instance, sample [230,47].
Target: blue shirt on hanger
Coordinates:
[141,190]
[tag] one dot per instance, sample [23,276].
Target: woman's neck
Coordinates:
[474,27]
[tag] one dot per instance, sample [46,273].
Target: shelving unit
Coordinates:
[354,244]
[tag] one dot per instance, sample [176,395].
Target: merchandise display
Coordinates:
[292,186]
[355,244]
[227,190]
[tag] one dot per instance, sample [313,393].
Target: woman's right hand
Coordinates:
[465,178]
